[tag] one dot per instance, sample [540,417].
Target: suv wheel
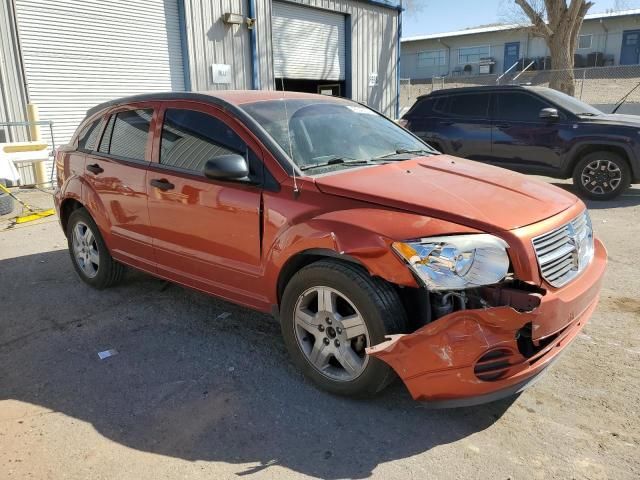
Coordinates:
[602,175]
[332,311]
[89,254]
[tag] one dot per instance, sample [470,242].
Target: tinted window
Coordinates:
[516,106]
[190,138]
[471,106]
[127,133]
[89,135]
[422,108]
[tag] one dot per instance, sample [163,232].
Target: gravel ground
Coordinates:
[201,388]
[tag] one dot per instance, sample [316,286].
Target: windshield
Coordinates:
[573,105]
[333,134]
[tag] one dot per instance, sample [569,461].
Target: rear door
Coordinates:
[521,139]
[117,173]
[206,233]
[466,128]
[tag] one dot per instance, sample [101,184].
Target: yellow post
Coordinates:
[34,133]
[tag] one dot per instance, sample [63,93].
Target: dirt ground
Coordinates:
[201,388]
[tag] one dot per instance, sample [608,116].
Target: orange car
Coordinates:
[376,253]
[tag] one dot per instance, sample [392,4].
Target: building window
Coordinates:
[432,58]
[584,41]
[473,54]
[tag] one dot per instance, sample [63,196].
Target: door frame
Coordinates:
[505,67]
[624,35]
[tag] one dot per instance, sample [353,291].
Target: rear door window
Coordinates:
[423,108]
[473,105]
[518,107]
[89,136]
[126,134]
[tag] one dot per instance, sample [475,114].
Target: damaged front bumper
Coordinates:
[476,356]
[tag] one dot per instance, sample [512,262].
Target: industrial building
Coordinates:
[66,56]
[605,39]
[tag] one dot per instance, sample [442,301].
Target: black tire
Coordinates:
[108,272]
[376,300]
[596,184]
[7,204]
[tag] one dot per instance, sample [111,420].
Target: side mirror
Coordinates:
[227,167]
[549,114]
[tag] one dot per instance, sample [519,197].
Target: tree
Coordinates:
[559,24]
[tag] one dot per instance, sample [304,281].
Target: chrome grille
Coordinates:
[564,252]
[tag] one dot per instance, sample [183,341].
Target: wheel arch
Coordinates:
[580,151]
[67,207]
[307,257]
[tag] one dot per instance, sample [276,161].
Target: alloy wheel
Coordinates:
[331,333]
[85,249]
[601,177]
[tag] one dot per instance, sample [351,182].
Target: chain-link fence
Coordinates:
[602,87]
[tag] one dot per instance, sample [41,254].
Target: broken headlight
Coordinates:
[456,262]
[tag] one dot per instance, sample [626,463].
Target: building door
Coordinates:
[78,54]
[309,47]
[511,55]
[630,53]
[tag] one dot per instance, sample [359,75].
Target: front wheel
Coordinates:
[602,175]
[331,311]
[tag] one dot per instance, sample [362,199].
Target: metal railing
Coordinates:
[20,131]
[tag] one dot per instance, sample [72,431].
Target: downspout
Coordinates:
[606,38]
[448,57]
[400,9]
[253,45]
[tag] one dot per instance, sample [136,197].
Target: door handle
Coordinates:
[162,184]
[446,122]
[95,168]
[502,125]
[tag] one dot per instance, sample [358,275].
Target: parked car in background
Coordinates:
[533,130]
[374,251]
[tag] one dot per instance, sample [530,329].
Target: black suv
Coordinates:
[533,130]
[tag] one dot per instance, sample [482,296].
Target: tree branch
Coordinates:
[539,24]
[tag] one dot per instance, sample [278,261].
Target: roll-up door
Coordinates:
[308,43]
[77,54]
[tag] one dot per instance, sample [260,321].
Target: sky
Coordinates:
[438,16]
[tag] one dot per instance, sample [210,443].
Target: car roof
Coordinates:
[480,89]
[223,98]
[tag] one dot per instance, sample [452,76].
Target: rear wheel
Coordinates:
[332,311]
[89,254]
[602,175]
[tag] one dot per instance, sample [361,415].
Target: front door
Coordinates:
[117,174]
[520,138]
[206,233]
[630,53]
[511,55]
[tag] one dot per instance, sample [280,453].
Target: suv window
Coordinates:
[127,133]
[423,108]
[190,138]
[89,136]
[473,105]
[519,107]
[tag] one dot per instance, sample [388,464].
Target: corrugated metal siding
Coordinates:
[12,93]
[308,43]
[211,41]
[78,54]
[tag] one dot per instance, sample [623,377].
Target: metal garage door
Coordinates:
[308,43]
[80,53]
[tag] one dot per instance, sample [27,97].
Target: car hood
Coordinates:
[615,119]
[450,188]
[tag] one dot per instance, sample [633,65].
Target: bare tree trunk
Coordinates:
[562,78]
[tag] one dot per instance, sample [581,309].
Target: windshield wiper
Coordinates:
[336,161]
[401,151]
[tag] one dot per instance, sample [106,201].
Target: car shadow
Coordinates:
[196,378]
[630,198]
